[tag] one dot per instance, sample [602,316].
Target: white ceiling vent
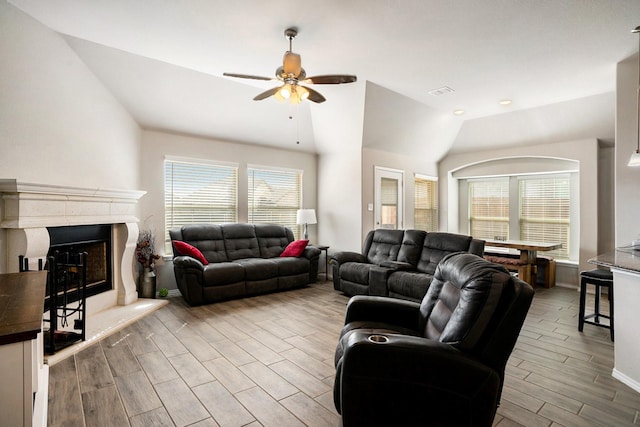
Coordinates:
[441,91]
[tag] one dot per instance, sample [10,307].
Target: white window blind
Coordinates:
[425,213]
[545,207]
[389,203]
[489,209]
[274,197]
[199,193]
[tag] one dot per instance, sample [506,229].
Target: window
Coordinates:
[545,206]
[274,196]
[425,213]
[199,193]
[489,209]
[389,203]
[526,207]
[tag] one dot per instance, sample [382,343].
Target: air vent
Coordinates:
[441,91]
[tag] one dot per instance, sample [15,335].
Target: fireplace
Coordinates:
[30,212]
[95,241]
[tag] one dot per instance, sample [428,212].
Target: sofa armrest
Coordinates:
[338,258]
[311,252]
[189,278]
[184,261]
[412,378]
[383,309]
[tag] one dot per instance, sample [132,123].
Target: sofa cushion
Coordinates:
[240,241]
[411,248]
[183,248]
[207,238]
[355,272]
[385,245]
[258,268]
[291,266]
[295,248]
[408,285]
[437,246]
[222,273]
[272,239]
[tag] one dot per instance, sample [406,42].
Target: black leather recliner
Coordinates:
[440,362]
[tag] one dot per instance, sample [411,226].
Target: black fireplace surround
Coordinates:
[95,240]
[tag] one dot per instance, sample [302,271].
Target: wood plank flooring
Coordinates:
[268,361]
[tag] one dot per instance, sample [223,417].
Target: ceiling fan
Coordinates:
[291,74]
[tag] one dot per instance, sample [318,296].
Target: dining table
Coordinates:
[528,252]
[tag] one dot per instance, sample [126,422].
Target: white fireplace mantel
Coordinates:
[28,205]
[27,209]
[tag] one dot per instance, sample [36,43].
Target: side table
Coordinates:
[325,249]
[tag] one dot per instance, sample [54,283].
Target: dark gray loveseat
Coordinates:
[397,263]
[243,259]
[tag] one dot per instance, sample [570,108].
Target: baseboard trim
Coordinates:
[626,380]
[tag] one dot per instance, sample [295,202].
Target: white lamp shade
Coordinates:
[306,216]
[635,159]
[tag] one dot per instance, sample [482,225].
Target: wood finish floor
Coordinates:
[268,361]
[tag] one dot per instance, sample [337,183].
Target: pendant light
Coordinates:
[635,157]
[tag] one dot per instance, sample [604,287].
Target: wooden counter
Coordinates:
[21,304]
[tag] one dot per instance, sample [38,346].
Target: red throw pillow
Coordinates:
[184,248]
[295,248]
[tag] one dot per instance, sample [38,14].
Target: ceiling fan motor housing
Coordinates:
[292,64]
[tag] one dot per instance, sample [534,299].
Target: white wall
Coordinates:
[338,133]
[157,145]
[58,123]
[410,165]
[584,151]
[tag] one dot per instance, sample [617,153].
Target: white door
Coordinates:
[388,198]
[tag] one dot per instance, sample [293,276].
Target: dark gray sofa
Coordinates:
[397,263]
[244,259]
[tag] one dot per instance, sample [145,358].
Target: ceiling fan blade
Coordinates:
[314,95]
[247,76]
[331,79]
[266,93]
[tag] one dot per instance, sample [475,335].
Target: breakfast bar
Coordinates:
[625,265]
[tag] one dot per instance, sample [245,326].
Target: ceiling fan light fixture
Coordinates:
[303,93]
[285,91]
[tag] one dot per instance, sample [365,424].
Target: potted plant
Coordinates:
[146,255]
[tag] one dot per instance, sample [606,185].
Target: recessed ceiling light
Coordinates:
[458,112]
[504,102]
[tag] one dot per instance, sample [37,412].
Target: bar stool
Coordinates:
[599,278]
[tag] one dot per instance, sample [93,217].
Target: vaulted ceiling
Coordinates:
[164,62]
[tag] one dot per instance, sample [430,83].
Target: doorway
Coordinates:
[389,203]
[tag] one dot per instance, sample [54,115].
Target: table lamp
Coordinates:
[306,216]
